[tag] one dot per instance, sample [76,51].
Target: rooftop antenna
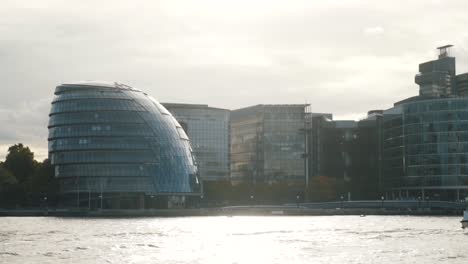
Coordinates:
[444,51]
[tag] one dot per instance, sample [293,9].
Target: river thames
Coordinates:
[238,239]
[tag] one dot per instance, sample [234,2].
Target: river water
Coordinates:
[280,239]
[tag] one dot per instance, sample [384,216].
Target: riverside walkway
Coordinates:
[386,207]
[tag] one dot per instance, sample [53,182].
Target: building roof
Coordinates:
[192,106]
[272,105]
[105,84]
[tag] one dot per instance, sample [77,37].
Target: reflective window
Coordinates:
[118,140]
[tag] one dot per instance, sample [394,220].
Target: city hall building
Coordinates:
[114,146]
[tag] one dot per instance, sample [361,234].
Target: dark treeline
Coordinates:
[321,189]
[25,182]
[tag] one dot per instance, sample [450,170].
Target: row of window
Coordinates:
[436,138]
[459,169]
[435,127]
[436,105]
[95,117]
[430,117]
[104,157]
[391,121]
[129,143]
[123,184]
[89,94]
[437,159]
[100,130]
[434,181]
[436,148]
[105,170]
[96,105]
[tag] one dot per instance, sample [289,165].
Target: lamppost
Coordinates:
[152,201]
[46,205]
[341,199]
[100,197]
[419,202]
[427,203]
[383,199]
[251,199]
[297,200]
[201,200]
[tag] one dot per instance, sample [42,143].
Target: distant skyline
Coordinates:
[343,57]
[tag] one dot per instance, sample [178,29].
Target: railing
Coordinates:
[389,204]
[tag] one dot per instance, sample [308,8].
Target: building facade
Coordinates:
[425,138]
[116,145]
[347,153]
[426,148]
[268,144]
[208,130]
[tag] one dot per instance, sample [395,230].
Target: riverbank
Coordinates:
[226,211]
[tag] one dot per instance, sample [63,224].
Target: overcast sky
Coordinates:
[342,57]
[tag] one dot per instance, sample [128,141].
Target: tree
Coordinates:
[7,179]
[20,162]
[24,181]
[8,187]
[43,183]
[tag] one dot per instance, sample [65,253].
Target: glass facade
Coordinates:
[268,144]
[108,137]
[208,130]
[425,145]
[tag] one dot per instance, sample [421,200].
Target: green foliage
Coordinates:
[7,179]
[8,187]
[20,161]
[24,181]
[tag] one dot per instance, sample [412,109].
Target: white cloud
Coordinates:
[25,124]
[374,30]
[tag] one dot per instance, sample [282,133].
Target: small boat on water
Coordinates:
[464,221]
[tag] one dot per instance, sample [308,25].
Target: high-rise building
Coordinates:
[268,144]
[113,146]
[208,130]
[425,138]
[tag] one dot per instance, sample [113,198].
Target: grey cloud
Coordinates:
[227,54]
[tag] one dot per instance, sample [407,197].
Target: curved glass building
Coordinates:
[425,148]
[113,142]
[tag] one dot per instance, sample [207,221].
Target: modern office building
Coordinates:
[425,138]
[208,130]
[114,146]
[268,144]
[347,153]
[315,122]
[426,148]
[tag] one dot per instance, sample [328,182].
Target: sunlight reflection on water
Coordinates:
[320,239]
